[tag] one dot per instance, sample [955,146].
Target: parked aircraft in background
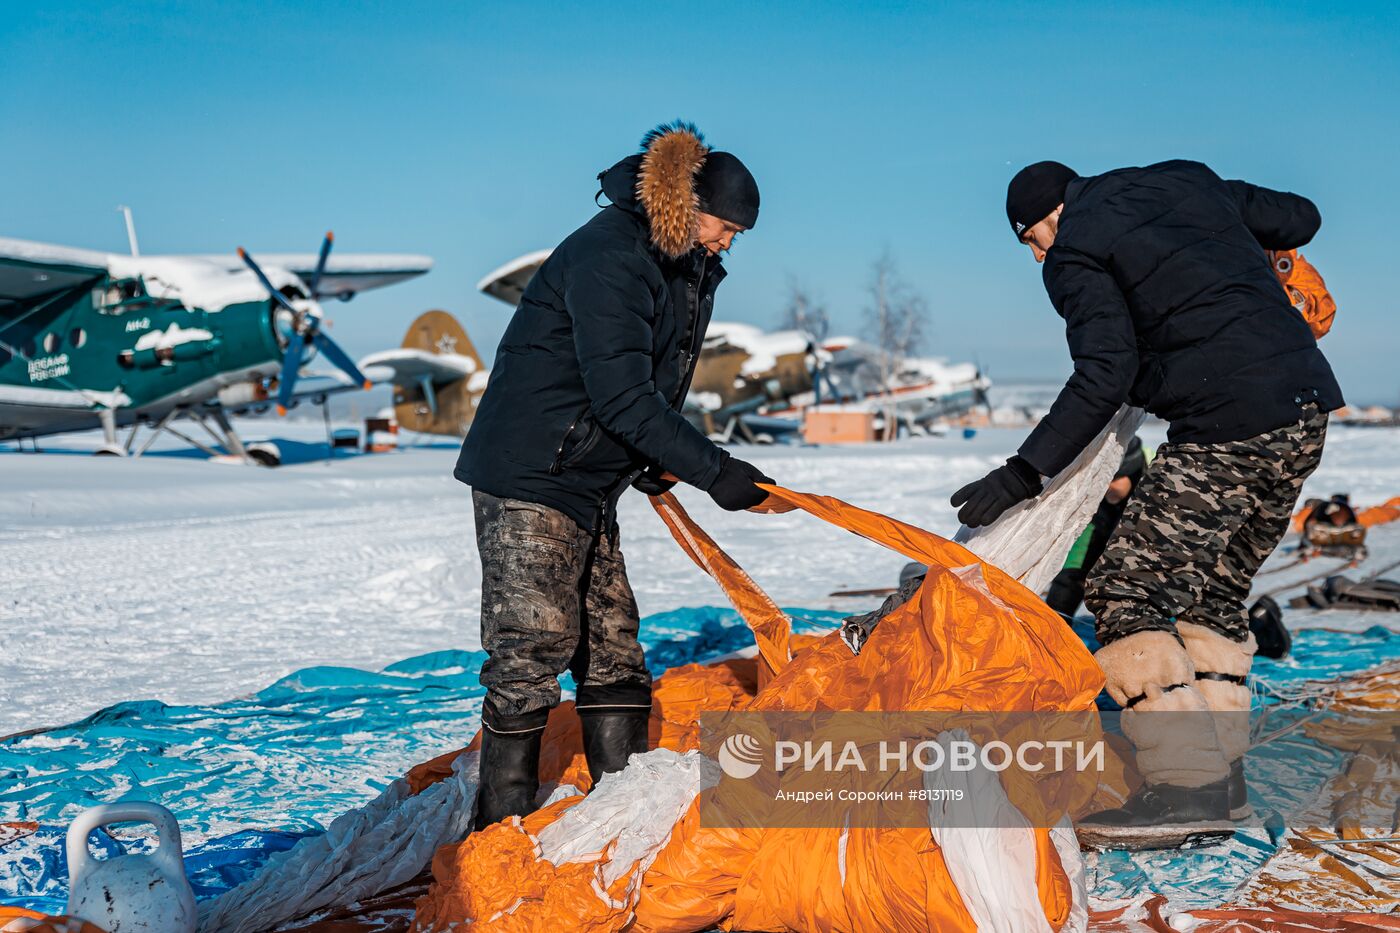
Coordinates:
[438,376]
[91,339]
[754,386]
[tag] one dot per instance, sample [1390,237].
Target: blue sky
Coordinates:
[473,132]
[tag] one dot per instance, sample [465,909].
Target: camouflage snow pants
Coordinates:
[554,598]
[1196,530]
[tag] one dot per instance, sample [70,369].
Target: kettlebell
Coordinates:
[130,893]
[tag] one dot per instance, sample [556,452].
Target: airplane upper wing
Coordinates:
[508,282]
[213,282]
[346,273]
[30,270]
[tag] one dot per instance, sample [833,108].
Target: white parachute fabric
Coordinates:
[385,843]
[1030,542]
[991,851]
[630,814]
[1072,861]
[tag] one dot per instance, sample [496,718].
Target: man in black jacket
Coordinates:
[584,401]
[1170,303]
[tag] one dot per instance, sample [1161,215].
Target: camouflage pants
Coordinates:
[554,598]
[1196,530]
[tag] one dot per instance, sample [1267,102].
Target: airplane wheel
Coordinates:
[109,452]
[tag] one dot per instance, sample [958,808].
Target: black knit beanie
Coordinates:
[727,190]
[1034,194]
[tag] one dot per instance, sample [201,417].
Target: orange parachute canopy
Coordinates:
[972,639]
[1306,290]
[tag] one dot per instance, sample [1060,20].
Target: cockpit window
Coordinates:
[116,294]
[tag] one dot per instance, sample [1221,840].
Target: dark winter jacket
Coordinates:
[596,361]
[1169,302]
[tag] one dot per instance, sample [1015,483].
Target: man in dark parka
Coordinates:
[583,402]
[1170,303]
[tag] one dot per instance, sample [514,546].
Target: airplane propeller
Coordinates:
[306,329]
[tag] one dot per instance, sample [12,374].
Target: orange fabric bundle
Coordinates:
[1305,289]
[1380,514]
[1387,511]
[972,639]
[19,920]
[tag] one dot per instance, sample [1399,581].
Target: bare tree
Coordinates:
[896,318]
[804,313]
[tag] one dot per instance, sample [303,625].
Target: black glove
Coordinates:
[651,483]
[983,501]
[734,490]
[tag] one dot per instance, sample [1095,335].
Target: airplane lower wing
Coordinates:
[461,377]
[407,365]
[403,366]
[315,387]
[68,399]
[31,411]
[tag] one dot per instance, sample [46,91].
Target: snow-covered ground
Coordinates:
[178,579]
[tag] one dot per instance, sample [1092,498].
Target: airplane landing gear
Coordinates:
[220,432]
[110,447]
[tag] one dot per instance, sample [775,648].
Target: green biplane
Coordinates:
[91,339]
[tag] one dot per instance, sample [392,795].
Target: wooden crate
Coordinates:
[837,425]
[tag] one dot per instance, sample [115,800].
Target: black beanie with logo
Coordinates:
[1034,194]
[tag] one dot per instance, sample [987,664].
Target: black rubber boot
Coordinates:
[611,734]
[1271,637]
[510,775]
[1162,816]
[1239,793]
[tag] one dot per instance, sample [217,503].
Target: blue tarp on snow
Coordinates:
[250,777]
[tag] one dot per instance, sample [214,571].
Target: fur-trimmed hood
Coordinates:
[660,183]
[594,365]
